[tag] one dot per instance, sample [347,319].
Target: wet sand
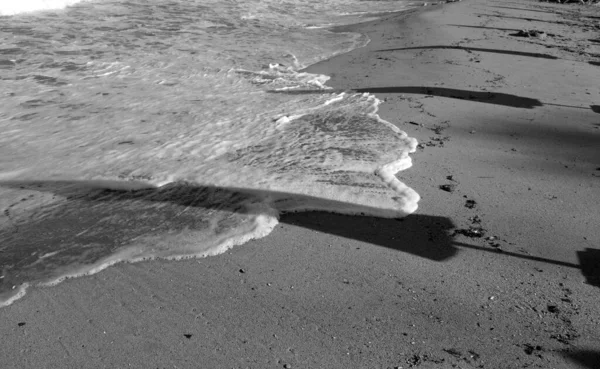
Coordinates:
[497,269]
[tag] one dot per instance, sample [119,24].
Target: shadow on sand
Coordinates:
[476,49]
[530,19]
[528,10]
[88,202]
[588,358]
[589,260]
[483,27]
[95,220]
[497,98]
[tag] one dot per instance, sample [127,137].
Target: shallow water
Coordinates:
[131,130]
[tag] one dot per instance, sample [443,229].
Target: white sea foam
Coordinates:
[12,7]
[150,130]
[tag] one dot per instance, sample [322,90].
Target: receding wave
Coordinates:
[141,134]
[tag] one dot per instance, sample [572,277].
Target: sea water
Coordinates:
[140,129]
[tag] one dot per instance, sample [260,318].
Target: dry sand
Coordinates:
[511,123]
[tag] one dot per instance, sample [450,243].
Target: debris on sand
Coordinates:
[470,204]
[531,33]
[471,232]
[418,359]
[475,230]
[530,349]
[439,128]
[437,141]
[475,220]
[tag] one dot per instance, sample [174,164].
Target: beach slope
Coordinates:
[499,267]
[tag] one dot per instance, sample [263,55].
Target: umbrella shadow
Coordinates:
[97,219]
[589,260]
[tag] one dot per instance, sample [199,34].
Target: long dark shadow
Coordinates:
[597,63]
[530,19]
[480,96]
[529,10]
[589,264]
[487,97]
[496,98]
[568,106]
[483,27]
[520,256]
[478,49]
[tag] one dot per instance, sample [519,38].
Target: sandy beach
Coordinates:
[498,268]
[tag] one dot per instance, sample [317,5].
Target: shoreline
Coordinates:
[327,290]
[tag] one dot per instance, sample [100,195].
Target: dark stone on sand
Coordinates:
[470,204]
[447,187]
[188,336]
[20,324]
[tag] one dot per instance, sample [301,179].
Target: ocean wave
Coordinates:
[131,131]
